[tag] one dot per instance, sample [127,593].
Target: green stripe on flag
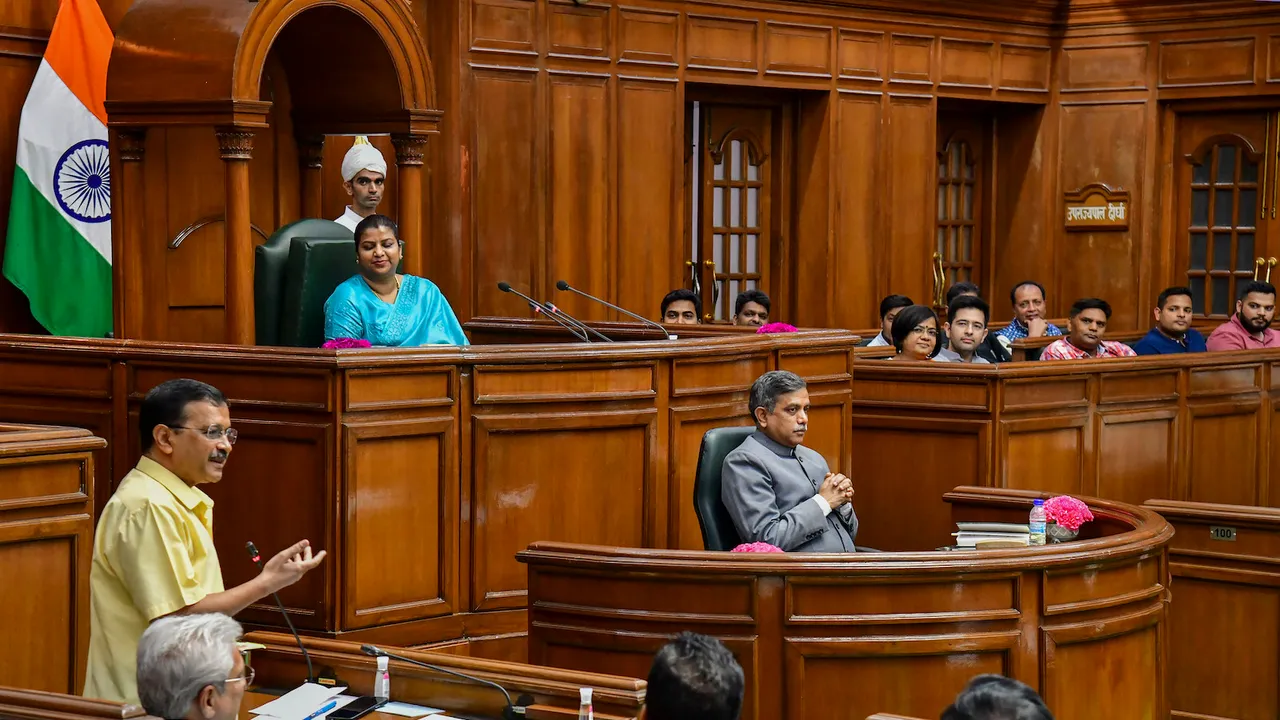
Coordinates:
[66,280]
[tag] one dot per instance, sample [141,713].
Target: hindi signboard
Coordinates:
[1097,207]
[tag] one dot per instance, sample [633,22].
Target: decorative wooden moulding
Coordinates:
[1097,207]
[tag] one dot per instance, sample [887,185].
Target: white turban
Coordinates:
[362,156]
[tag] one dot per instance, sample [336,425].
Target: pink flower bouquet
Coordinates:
[776,328]
[345,344]
[758,547]
[1067,512]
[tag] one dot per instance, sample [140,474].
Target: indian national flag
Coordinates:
[58,249]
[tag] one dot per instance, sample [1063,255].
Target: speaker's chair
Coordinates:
[718,530]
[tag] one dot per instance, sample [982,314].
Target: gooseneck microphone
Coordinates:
[506,288]
[510,712]
[257,560]
[553,310]
[564,286]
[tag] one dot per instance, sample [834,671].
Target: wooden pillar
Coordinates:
[236,146]
[311,151]
[409,152]
[130,208]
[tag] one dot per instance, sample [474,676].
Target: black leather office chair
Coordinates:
[718,530]
[274,288]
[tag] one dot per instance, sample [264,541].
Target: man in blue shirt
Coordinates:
[1173,332]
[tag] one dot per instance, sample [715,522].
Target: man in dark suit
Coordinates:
[778,491]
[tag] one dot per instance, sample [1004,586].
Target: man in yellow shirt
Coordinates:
[153,552]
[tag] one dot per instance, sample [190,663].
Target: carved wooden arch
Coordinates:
[755,148]
[1197,156]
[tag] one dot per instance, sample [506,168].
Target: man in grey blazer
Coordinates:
[778,491]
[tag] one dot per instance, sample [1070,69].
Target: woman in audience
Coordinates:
[383,307]
[915,334]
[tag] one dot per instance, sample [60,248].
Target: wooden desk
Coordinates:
[1020,349]
[552,694]
[46,547]
[1224,621]
[851,635]
[423,471]
[1200,428]
[41,705]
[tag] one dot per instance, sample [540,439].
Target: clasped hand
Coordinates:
[836,489]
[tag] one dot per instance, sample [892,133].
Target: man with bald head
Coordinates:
[364,171]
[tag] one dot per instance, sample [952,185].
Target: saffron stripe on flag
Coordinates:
[79,50]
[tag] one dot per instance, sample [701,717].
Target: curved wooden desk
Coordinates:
[824,636]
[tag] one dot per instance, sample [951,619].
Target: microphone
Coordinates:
[506,288]
[510,712]
[562,285]
[553,310]
[257,560]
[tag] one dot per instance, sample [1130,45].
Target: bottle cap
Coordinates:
[1037,502]
[585,694]
[382,663]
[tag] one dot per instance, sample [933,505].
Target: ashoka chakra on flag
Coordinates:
[82,181]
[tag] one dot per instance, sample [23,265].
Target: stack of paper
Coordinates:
[304,703]
[991,535]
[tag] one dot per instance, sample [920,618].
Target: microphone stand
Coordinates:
[553,310]
[564,286]
[257,560]
[510,712]
[506,287]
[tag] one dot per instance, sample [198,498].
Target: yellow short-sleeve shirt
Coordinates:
[153,555]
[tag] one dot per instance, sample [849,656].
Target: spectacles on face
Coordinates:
[931,332]
[247,677]
[213,433]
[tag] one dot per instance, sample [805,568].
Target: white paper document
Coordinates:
[301,702]
[410,711]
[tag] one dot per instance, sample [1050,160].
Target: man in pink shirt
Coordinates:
[1086,326]
[1250,327]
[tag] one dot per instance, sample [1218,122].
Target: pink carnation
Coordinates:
[758,547]
[776,328]
[345,344]
[1067,511]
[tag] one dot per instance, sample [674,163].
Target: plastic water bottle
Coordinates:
[382,680]
[584,707]
[1037,522]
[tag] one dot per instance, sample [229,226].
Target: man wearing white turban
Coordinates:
[363,173]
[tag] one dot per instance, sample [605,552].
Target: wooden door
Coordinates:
[961,196]
[1226,169]
[735,187]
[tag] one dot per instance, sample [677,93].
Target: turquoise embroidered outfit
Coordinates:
[420,315]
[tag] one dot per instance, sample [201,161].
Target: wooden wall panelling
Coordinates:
[1024,68]
[1225,417]
[1138,436]
[797,50]
[1023,208]
[1103,68]
[648,36]
[578,32]
[811,246]
[1220,61]
[964,63]
[857,262]
[911,59]
[722,43]
[911,190]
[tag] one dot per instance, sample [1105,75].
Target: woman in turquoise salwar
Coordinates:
[383,307]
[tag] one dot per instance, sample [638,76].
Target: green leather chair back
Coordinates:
[316,267]
[718,530]
[271,261]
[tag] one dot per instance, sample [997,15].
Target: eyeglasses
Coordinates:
[213,432]
[247,677]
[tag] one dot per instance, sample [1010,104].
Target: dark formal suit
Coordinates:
[768,489]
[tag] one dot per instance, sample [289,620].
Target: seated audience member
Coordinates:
[990,349]
[1250,327]
[962,288]
[682,307]
[694,677]
[190,668]
[778,491]
[915,334]
[751,308]
[966,327]
[1173,332]
[889,309]
[1028,314]
[380,305]
[995,697]
[1087,325]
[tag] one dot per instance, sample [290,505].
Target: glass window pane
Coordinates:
[967,207]
[957,157]
[730,297]
[753,195]
[1248,170]
[1200,173]
[735,157]
[1197,298]
[1223,207]
[1221,296]
[753,170]
[968,171]
[717,172]
[1248,207]
[942,168]
[734,260]
[717,207]
[942,203]
[1227,164]
[1221,250]
[950,256]
[735,209]
[942,241]
[1199,208]
[1244,252]
[1199,251]
[966,244]
[753,255]
[953,202]
[718,253]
